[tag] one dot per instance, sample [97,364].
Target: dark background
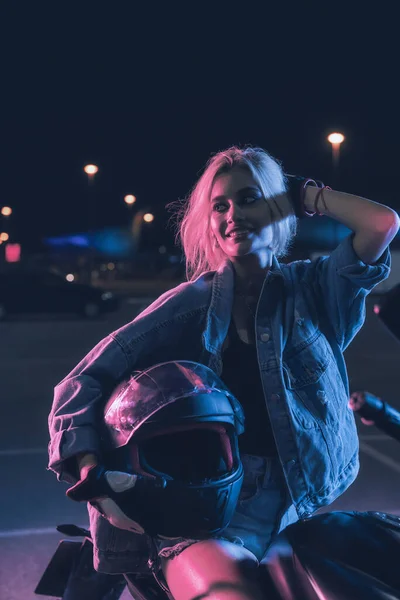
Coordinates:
[148,92]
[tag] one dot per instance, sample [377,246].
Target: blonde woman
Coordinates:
[275,333]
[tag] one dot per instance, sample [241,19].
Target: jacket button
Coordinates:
[264,337]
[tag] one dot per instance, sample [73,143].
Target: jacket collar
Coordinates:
[220,308]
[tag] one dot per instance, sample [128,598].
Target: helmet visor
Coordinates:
[151,390]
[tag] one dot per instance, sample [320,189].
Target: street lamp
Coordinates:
[137,223]
[91,171]
[335,139]
[4,237]
[6,211]
[129,199]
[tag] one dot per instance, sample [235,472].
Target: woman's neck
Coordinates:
[250,276]
[250,286]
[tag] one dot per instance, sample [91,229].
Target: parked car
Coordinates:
[43,291]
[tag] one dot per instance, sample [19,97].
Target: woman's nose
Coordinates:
[235,213]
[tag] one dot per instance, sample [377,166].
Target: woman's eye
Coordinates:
[218,207]
[221,206]
[249,199]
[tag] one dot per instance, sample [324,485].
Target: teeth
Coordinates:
[238,232]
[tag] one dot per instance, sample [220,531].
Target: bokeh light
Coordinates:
[6,211]
[91,169]
[335,138]
[148,217]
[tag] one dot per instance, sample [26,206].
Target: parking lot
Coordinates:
[37,353]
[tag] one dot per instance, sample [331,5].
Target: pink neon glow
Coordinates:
[377,309]
[13,253]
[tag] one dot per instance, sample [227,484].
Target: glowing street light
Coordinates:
[91,169]
[335,139]
[148,218]
[130,199]
[6,211]
[4,237]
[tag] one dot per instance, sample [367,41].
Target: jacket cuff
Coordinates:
[64,448]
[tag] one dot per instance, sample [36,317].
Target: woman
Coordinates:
[275,333]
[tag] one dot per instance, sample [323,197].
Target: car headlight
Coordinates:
[106,296]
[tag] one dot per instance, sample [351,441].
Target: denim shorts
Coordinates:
[263,500]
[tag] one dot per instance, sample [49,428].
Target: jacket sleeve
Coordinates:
[75,410]
[341,283]
[75,417]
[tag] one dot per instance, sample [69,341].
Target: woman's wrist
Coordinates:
[298,192]
[314,200]
[310,196]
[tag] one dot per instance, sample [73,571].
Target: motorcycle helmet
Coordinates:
[175,426]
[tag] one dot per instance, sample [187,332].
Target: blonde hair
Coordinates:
[193,217]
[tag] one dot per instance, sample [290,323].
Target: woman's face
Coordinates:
[240,216]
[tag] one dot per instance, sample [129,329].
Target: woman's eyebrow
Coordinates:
[248,188]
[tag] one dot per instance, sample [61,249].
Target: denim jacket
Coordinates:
[307,314]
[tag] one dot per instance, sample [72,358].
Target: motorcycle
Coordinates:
[346,555]
[340,555]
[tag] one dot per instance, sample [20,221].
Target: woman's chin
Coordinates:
[239,248]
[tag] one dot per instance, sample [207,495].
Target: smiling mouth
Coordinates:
[238,233]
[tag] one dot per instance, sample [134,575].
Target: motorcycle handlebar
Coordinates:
[370,407]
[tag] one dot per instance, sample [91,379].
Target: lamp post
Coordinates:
[140,217]
[335,139]
[91,170]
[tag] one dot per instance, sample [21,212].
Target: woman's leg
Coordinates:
[212,570]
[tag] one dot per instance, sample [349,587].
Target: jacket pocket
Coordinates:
[306,372]
[305,363]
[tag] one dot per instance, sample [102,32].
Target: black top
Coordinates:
[241,374]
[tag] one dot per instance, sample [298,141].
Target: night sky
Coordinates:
[149,93]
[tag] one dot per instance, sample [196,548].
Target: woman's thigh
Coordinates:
[263,500]
[213,570]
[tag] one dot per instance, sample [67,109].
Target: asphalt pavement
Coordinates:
[36,353]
